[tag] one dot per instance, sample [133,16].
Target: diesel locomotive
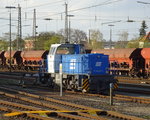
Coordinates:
[80,71]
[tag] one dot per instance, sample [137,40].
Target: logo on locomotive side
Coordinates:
[98,64]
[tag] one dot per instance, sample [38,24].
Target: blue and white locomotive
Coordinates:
[80,71]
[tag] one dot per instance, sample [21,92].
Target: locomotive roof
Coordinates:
[68,44]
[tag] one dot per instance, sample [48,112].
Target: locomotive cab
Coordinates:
[57,50]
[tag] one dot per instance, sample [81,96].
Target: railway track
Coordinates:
[129,88]
[19,78]
[34,75]
[117,97]
[143,89]
[132,80]
[28,105]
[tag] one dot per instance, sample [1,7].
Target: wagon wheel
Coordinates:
[22,67]
[132,72]
[26,68]
[146,75]
[30,68]
[19,67]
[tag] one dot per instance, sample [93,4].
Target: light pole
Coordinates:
[66,23]
[69,32]
[10,7]
[110,41]
[48,19]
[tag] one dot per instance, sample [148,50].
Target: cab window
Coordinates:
[52,50]
[65,50]
[82,50]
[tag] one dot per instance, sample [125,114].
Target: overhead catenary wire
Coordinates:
[45,4]
[74,10]
[39,5]
[104,3]
[83,8]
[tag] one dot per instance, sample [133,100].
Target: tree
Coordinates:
[134,43]
[21,44]
[7,36]
[123,38]
[54,39]
[147,44]
[96,35]
[41,39]
[3,45]
[44,38]
[5,41]
[75,35]
[142,29]
[96,39]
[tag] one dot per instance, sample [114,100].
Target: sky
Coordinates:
[88,14]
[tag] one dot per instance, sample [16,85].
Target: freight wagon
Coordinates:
[133,62]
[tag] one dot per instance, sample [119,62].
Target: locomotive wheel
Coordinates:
[72,86]
[146,76]
[65,84]
[132,73]
[26,68]
[19,68]
[50,82]
[68,84]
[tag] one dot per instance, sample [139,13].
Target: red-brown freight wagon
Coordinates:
[2,59]
[33,59]
[16,60]
[146,55]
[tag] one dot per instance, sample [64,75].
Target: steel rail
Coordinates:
[30,108]
[107,113]
[117,97]
[136,80]
[55,107]
[20,106]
